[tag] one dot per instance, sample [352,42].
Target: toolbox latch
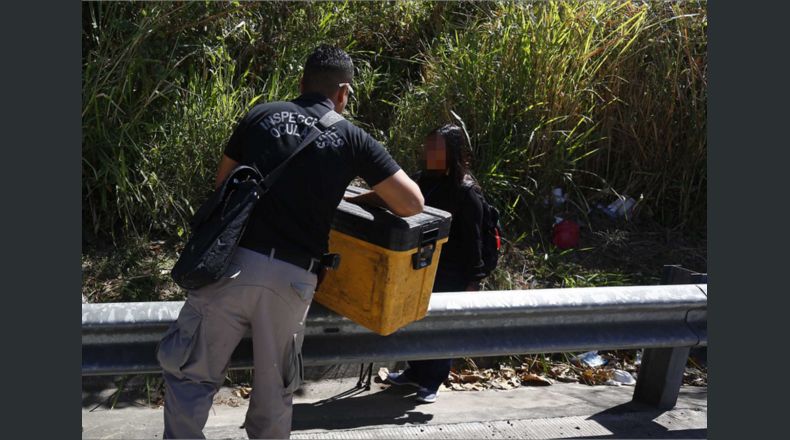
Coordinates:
[427,245]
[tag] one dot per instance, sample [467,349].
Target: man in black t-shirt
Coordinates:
[273,275]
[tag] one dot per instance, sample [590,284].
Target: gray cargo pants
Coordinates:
[271,298]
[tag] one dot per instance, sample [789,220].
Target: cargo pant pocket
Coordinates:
[294,371]
[178,343]
[306,291]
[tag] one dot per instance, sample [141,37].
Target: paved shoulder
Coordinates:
[672,424]
[334,409]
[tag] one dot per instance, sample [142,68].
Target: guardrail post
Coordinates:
[660,376]
[661,373]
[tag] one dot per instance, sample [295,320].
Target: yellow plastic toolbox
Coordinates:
[387,264]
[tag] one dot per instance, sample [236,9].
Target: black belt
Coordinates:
[299,259]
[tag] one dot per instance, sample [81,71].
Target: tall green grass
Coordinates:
[602,98]
[154,107]
[598,97]
[164,83]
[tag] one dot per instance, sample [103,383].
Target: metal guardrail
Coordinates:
[120,338]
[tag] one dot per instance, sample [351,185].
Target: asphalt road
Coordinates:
[332,408]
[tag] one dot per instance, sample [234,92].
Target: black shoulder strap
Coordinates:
[329,119]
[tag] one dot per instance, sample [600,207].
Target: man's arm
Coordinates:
[367,198]
[226,165]
[398,193]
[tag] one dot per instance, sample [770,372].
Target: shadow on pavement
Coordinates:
[642,420]
[392,406]
[108,392]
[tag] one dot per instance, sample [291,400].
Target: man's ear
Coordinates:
[339,100]
[340,94]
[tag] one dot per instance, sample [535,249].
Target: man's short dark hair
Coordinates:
[325,68]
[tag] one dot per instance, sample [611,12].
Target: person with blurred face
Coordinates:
[447,184]
[274,273]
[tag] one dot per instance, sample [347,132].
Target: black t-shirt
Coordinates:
[461,256]
[296,213]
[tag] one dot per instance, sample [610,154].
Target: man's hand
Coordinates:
[226,165]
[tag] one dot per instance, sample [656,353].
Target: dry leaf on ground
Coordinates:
[507,372]
[472,378]
[563,374]
[505,384]
[534,379]
[473,387]
[597,376]
[243,392]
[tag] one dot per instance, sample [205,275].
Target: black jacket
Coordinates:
[461,256]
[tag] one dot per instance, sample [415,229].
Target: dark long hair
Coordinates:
[458,155]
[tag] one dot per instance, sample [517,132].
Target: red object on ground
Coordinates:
[565,234]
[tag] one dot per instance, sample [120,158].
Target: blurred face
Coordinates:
[435,153]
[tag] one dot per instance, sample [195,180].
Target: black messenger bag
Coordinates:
[219,223]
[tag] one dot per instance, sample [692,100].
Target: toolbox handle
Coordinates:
[426,245]
[429,236]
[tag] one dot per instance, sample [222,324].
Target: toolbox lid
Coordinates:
[381,227]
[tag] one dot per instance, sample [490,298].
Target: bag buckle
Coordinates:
[330,261]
